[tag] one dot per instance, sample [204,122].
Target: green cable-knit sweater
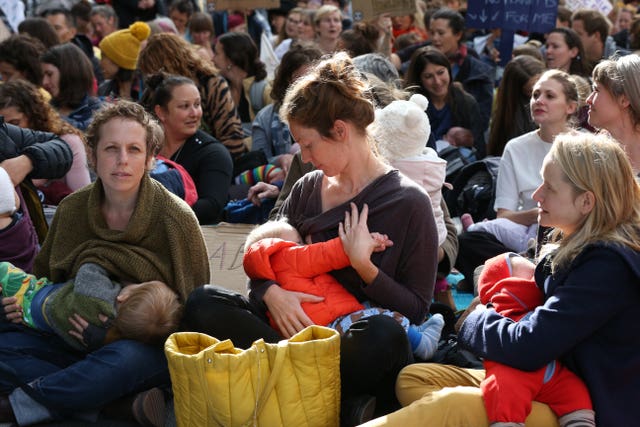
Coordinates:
[162,242]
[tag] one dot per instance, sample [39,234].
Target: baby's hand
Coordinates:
[382,242]
[90,336]
[10,311]
[459,137]
[522,267]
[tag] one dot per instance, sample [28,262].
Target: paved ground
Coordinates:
[171,422]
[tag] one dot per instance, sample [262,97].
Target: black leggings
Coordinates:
[475,247]
[372,351]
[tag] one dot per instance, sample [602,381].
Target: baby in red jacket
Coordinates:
[275,251]
[507,283]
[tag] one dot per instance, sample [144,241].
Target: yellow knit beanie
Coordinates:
[123,46]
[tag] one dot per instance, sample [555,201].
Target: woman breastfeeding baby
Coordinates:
[134,229]
[328,111]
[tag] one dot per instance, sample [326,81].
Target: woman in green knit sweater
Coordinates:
[137,231]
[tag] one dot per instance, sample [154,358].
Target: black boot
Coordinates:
[146,408]
[356,410]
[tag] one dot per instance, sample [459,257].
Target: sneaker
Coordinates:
[149,408]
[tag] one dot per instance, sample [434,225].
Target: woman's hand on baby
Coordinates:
[286,309]
[10,310]
[91,336]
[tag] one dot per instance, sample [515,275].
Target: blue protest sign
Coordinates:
[517,15]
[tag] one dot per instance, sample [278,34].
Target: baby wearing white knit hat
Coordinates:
[401,131]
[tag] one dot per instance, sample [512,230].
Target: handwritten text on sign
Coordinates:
[525,15]
[225,247]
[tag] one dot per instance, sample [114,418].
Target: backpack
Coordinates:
[457,158]
[474,189]
[175,178]
[450,353]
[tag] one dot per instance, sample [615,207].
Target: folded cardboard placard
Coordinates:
[225,248]
[365,10]
[244,4]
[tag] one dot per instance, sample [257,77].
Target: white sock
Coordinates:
[430,335]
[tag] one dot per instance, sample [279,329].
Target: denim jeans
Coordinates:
[68,382]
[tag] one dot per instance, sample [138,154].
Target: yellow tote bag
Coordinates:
[295,382]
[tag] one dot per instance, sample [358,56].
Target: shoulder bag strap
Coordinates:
[278,364]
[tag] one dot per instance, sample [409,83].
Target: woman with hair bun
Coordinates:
[238,59]
[119,61]
[175,101]
[328,111]
[359,40]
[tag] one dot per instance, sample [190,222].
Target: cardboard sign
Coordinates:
[244,4]
[365,10]
[527,15]
[603,6]
[225,247]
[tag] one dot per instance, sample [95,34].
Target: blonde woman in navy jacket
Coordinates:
[590,278]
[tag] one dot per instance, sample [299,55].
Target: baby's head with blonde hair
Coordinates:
[150,313]
[279,229]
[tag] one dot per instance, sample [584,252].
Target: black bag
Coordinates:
[474,190]
[450,353]
[457,158]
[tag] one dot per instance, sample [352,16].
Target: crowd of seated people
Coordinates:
[125,126]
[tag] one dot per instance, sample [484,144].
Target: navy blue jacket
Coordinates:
[478,80]
[590,321]
[82,116]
